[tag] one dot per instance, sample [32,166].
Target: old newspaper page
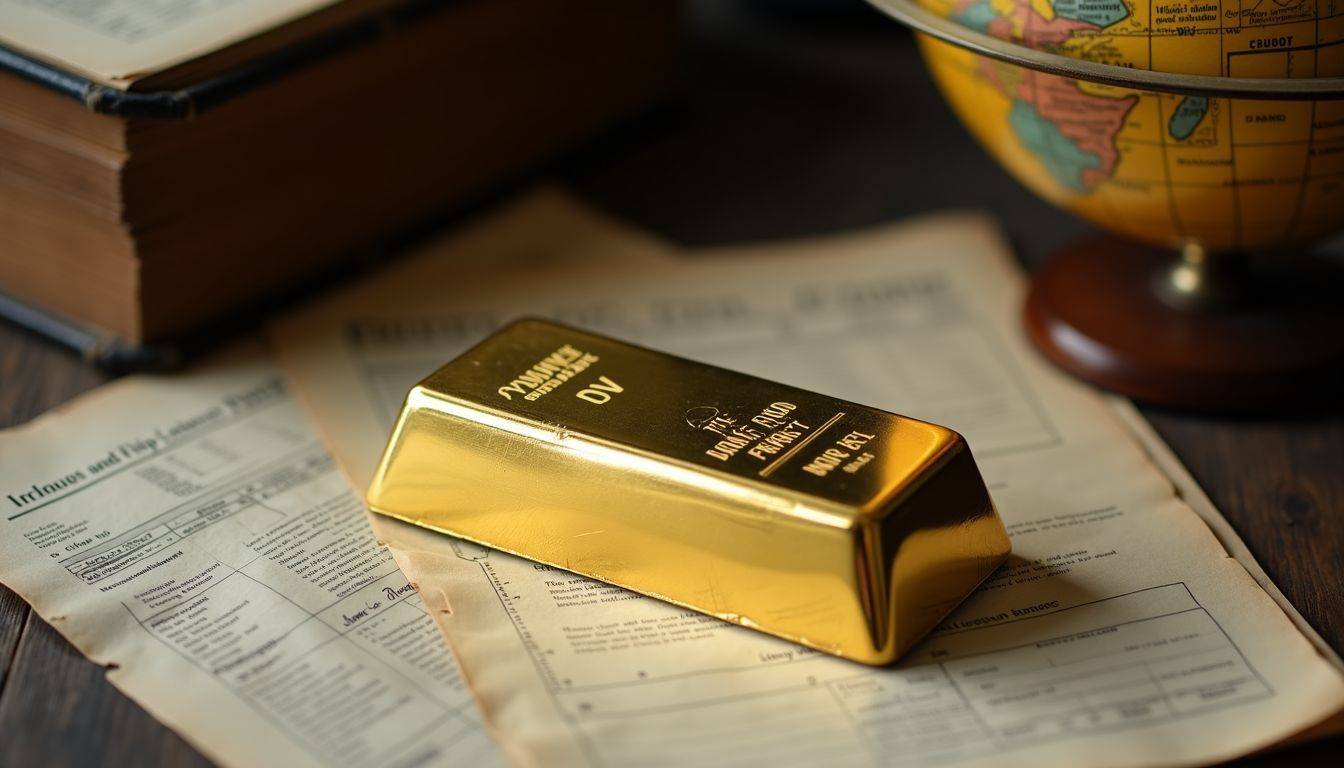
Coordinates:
[116,41]
[192,534]
[1121,632]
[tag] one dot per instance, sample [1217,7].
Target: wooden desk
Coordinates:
[785,128]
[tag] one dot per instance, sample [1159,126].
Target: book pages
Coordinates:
[1121,631]
[117,41]
[192,534]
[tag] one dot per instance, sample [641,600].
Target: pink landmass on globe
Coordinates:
[1089,121]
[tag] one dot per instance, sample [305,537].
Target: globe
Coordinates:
[1207,136]
[1169,170]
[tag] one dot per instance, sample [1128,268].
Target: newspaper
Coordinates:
[192,534]
[1120,632]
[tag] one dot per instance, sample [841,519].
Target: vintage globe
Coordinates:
[1210,130]
[1163,168]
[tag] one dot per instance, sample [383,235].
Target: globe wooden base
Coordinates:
[1265,337]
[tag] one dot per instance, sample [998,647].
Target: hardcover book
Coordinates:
[166,167]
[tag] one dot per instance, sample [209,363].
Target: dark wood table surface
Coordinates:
[788,123]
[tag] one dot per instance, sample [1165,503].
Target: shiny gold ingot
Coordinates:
[841,527]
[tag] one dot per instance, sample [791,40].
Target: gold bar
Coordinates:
[841,527]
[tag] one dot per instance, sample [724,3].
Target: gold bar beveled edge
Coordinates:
[846,517]
[878,658]
[871,509]
[878,509]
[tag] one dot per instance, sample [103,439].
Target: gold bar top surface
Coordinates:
[835,525]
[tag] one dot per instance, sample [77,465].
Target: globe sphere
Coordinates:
[1169,170]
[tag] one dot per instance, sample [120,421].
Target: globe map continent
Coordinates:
[1166,169]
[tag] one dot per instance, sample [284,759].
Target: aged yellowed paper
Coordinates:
[116,41]
[1121,632]
[192,533]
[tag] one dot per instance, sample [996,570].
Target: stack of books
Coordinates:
[165,167]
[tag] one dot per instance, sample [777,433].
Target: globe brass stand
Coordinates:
[1192,329]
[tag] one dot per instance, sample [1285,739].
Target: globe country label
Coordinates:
[1166,169]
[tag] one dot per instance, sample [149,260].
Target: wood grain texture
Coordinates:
[1281,485]
[59,710]
[34,377]
[13,615]
[787,126]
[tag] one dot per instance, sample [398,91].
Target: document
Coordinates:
[1121,631]
[192,534]
[117,41]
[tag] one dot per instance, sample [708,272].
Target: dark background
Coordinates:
[793,118]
